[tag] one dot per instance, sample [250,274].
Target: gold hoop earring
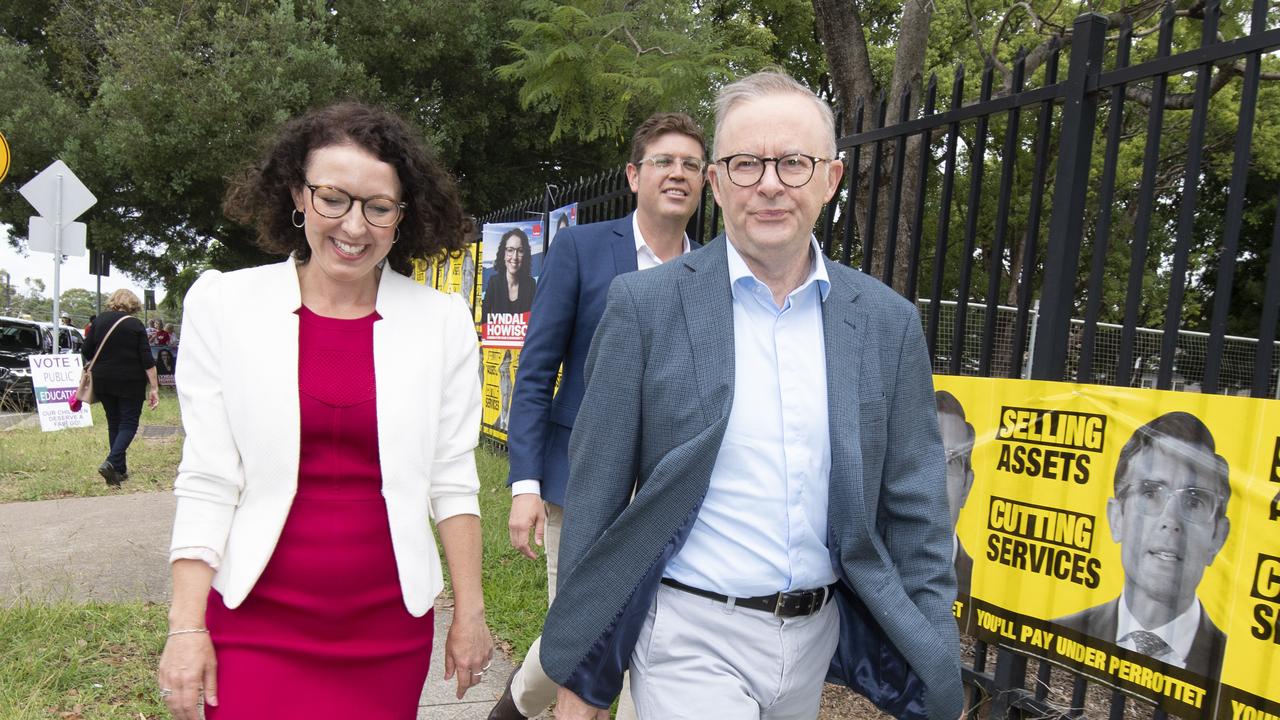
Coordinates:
[293,217]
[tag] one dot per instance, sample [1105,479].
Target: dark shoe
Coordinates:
[110,474]
[506,708]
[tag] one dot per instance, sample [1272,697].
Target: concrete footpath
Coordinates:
[115,548]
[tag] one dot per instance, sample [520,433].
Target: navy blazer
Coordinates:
[661,381]
[572,290]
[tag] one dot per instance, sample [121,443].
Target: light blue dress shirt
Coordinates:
[763,525]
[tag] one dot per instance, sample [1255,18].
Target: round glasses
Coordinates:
[379,210]
[1195,505]
[796,170]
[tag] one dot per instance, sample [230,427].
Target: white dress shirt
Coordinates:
[763,525]
[646,259]
[1179,633]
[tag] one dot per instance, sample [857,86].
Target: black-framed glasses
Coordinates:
[1195,505]
[331,202]
[692,165]
[795,170]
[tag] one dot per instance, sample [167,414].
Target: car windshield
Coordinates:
[17,336]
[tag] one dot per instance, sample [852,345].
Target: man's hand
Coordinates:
[527,512]
[571,707]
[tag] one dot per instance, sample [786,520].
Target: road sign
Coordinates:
[42,192]
[40,237]
[4,157]
[99,263]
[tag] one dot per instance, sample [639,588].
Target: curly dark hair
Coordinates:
[261,194]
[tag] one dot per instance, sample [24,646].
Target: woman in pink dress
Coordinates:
[304,567]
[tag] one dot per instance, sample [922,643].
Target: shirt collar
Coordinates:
[642,246]
[738,270]
[1179,633]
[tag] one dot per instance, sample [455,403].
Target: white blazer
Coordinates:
[238,388]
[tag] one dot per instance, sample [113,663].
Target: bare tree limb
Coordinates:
[1184,101]
[988,56]
[635,43]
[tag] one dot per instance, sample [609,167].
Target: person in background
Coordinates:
[153,327]
[304,565]
[162,336]
[665,173]
[124,376]
[89,325]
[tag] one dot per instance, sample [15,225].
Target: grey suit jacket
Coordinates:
[660,379]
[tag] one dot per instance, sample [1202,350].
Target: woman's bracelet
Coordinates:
[187,632]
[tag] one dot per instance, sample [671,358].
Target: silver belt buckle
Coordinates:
[778,601]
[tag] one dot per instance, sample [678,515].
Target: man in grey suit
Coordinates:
[757,493]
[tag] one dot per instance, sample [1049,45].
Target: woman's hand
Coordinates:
[187,667]
[468,649]
[153,398]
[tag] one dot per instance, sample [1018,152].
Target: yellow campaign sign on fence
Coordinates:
[1133,535]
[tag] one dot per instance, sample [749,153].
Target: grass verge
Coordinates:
[74,661]
[98,660]
[36,465]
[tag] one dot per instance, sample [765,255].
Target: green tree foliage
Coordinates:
[155,104]
[602,65]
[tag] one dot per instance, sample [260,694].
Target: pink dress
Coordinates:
[324,632]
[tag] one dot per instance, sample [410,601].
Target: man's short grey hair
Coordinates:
[763,84]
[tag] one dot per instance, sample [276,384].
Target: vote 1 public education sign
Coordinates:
[54,378]
[1132,535]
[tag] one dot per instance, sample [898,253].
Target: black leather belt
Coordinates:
[781,604]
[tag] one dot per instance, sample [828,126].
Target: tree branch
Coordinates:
[988,56]
[1184,101]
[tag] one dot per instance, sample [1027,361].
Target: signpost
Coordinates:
[59,196]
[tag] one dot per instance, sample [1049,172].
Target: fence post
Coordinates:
[547,191]
[1070,188]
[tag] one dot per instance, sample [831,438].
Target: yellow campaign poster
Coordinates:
[457,273]
[424,272]
[1132,535]
[499,365]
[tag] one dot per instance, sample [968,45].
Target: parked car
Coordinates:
[19,339]
[72,339]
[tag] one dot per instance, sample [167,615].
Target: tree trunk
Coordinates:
[844,41]
[908,70]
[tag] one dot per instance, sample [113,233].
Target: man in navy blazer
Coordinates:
[665,173]
[757,497]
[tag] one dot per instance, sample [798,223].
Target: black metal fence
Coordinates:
[1006,293]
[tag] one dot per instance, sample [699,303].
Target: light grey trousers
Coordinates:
[700,658]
